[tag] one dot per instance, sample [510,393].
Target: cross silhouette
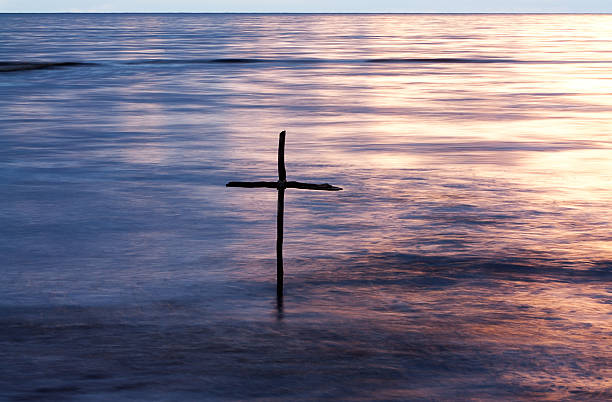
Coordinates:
[281,185]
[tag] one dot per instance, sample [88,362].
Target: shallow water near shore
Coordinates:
[468,256]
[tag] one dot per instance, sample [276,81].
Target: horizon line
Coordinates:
[315,12]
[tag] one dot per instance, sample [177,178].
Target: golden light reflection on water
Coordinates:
[524,140]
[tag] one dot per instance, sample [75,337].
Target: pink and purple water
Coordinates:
[468,257]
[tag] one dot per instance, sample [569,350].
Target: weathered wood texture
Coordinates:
[280,214]
[253,184]
[287,184]
[282,173]
[309,186]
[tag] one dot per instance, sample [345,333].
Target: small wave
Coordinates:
[12,66]
[449,60]
[195,61]
[233,60]
[527,267]
[16,66]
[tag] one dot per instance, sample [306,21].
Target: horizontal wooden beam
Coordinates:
[287,184]
[253,184]
[309,186]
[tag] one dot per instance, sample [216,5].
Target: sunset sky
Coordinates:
[553,6]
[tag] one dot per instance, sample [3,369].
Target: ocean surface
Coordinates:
[469,255]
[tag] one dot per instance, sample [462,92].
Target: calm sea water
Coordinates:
[468,257]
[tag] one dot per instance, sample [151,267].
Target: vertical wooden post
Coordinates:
[279,247]
[282,173]
[280,211]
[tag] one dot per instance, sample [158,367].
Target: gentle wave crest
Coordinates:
[17,66]
[12,66]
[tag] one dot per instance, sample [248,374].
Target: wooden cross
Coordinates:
[281,185]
